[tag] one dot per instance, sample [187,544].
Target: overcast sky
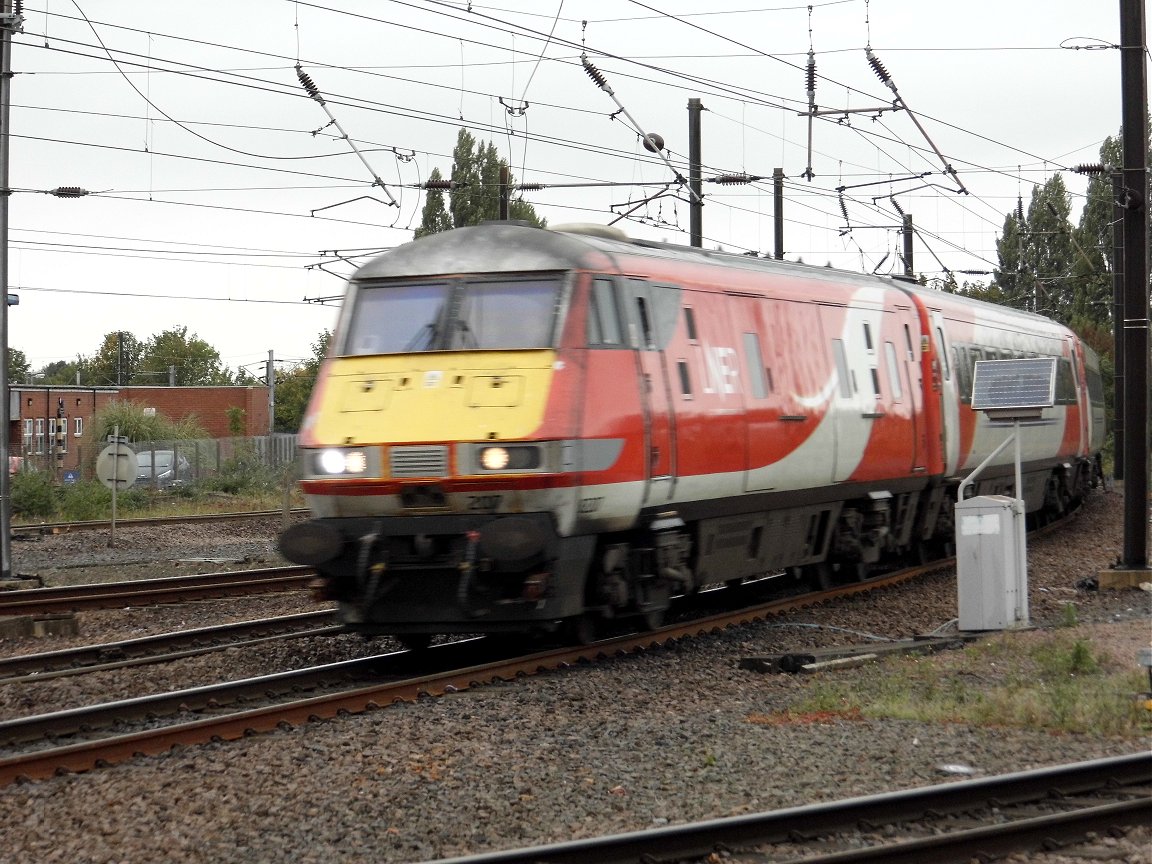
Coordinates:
[224,200]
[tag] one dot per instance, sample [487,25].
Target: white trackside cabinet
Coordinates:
[992,581]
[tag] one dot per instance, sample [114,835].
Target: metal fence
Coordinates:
[191,460]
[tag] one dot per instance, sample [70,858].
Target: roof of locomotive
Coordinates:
[521,247]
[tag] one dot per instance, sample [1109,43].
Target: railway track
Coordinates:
[955,822]
[30,530]
[162,647]
[364,692]
[151,592]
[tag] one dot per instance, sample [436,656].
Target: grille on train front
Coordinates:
[419,461]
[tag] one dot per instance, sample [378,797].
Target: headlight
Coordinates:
[341,462]
[510,458]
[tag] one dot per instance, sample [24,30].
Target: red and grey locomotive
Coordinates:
[518,429]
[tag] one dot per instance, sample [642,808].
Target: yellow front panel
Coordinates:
[401,398]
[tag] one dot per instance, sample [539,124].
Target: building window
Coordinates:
[79,427]
[38,437]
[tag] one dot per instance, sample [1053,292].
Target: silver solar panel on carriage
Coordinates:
[999,385]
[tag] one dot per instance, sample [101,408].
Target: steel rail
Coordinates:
[148,592]
[160,647]
[701,839]
[34,528]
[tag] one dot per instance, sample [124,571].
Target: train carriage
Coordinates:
[519,429]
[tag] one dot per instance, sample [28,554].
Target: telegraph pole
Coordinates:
[1134,202]
[270,376]
[696,206]
[10,21]
[778,212]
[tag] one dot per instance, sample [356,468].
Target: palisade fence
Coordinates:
[206,457]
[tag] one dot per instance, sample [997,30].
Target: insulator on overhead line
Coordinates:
[308,84]
[878,67]
[732,179]
[594,73]
[896,204]
[69,192]
[1093,168]
[1020,210]
[844,210]
[530,187]
[440,184]
[811,75]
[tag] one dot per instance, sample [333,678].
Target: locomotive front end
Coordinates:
[437,451]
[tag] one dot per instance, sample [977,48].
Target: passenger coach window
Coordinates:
[842,371]
[690,323]
[685,379]
[945,371]
[603,317]
[1065,383]
[755,365]
[893,371]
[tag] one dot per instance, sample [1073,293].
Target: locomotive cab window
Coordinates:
[460,315]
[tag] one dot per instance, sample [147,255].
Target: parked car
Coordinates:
[162,468]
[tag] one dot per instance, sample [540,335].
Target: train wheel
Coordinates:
[583,629]
[653,619]
[415,641]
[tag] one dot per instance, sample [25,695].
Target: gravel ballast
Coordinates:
[671,735]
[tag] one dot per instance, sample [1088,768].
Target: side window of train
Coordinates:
[842,371]
[944,370]
[603,316]
[964,364]
[685,378]
[893,372]
[756,370]
[1065,382]
[690,323]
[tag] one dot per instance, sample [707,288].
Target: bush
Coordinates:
[33,494]
[243,473]
[85,501]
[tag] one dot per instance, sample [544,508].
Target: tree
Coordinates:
[114,362]
[475,193]
[294,388]
[18,367]
[434,217]
[1039,255]
[60,372]
[186,358]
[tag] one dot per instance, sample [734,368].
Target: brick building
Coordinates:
[50,420]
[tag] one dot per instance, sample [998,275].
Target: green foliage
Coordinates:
[59,372]
[1068,616]
[114,362]
[192,360]
[236,421]
[434,217]
[475,195]
[87,500]
[33,495]
[18,367]
[135,425]
[1051,681]
[244,473]
[294,388]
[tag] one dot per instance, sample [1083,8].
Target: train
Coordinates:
[550,430]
